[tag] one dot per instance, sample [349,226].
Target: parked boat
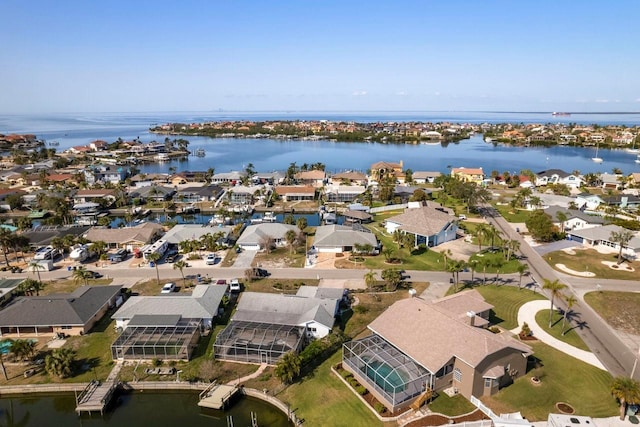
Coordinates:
[269,217]
[556,113]
[597,159]
[200,152]
[162,157]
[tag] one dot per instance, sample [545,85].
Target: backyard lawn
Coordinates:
[571,337]
[619,309]
[451,406]
[591,260]
[563,379]
[93,351]
[506,301]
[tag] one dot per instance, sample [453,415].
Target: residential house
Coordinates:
[255,236]
[156,193]
[600,237]
[7,286]
[180,232]
[588,201]
[425,177]
[343,193]
[313,178]
[98,145]
[95,196]
[6,192]
[348,178]
[270,178]
[69,314]
[198,194]
[611,181]
[634,179]
[232,178]
[475,175]
[266,326]
[147,180]
[381,171]
[405,192]
[558,176]
[576,219]
[185,177]
[622,201]
[357,216]
[431,346]
[103,173]
[243,195]
[128,238]
[290,193]
[429,225]
[340,238]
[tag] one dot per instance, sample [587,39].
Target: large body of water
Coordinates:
[135,410]
[225,154]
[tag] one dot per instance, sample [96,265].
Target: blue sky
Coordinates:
[121,56]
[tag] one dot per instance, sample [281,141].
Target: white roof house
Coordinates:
[202,304]
[340,238]
[181,232]
[601,237]
[253,236]
[431,226]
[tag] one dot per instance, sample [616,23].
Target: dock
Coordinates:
[95,397]
[217,396]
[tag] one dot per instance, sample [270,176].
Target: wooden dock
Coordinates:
[217,396]
[95,397]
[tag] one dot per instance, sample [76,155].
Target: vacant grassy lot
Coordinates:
[512,215]
[506,301]
[323,400]
[571,337]
[64,286]
[591,260]
[563,379]
[281,257]
[619,309]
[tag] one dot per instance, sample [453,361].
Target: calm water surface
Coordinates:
[135,410]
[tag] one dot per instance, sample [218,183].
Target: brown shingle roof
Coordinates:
[431,335]
[313,174]
[425,221]
[142,233]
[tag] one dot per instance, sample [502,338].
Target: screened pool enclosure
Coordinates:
[385,370]
[256,342]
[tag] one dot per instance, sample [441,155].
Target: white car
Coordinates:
[168,288]
[234,285]
[211,259]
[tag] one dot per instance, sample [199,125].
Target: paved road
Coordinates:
[596,333]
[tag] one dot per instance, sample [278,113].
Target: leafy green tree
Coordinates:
[555,288]
[541,227]
[154,257]
[60,362]
[23,349]
[419,195]
[288,367]
[626,391]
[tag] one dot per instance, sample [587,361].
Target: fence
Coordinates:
[388,208]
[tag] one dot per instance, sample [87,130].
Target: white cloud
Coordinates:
[602,101]
[359,93]
[401,93]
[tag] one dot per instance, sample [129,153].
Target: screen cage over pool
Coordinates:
[386,371]
[175,342]
[256,342]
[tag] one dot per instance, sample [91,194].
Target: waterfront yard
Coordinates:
[590,260]
[619,309]
[562,379]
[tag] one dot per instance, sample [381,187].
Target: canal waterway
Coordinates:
[139,409]
[226,154]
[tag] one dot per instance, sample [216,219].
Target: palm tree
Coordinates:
[33,286]
[288,367]
[180,265]
[290,237]
[388,253]
[562,218]
[6,242]
[621,237]
[480,233]
[60,362]
[370,279]
[554,288]
[154,257]
[445,255]
[522,270]
[571,301]
[81,274]
[302,223]
[36,267]
[625,390]
[512,246]
[23,349]
[2,367]
[498,263]
[492,233]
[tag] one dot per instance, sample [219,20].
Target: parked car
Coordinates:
[211,259]
[168,288]
[221,282]
[172,257]
[234,285]
[260,272]
[94,274]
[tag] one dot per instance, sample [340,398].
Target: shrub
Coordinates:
[379,407]
[346,375]
[156,362]
[360,309]
[354,382]
[361,390]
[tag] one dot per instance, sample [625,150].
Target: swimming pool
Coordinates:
[389,379]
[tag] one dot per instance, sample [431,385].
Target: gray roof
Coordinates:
[573,213]
[253,234]
[551,172]
[74,309]
[360,215]
[424,221]
[281,309]
[182,232]
[425,174]
[43,235]
[318,292]
[604,233]
[154,320]
[201,304]
[341,236]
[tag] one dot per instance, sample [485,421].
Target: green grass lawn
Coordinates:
[591,260]
[322,399]
[619,309]
[563,379]
[492,259]
[571,337]
[506,301]
[451,406]
[512,215]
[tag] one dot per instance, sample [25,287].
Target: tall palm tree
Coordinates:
[81,274]
[571,301]
[513,246]
[154,257]
[627,391]
[35,266]
[370,279]
[480,233]
[522,270]
[6,242]
[180,265]
[290,236]
[621,237]
[554,288]
[562,218]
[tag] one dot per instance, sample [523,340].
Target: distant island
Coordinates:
[414,132]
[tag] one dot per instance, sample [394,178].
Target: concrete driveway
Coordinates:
[555,246]
[244,259]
